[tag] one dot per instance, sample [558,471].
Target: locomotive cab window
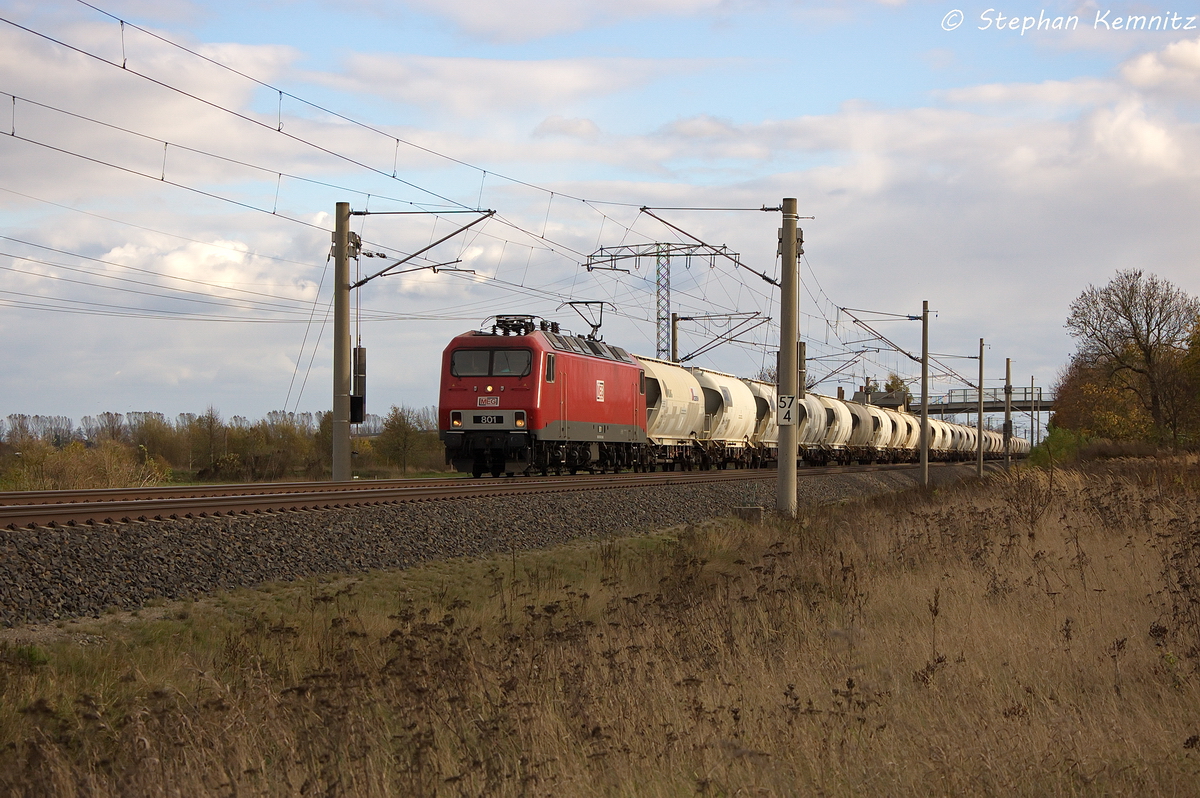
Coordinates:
[549,368]
[470,362]
[511,362]
[490,362]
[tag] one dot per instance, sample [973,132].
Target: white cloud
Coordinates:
[573,128]
[527,20]
[1175,69]
[1127,132]
[523,20]
[479,87]
[1053,94]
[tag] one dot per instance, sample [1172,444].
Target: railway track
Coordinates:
[32,509]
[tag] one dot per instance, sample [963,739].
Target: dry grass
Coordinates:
[1026,636]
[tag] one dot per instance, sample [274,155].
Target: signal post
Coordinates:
[341,343]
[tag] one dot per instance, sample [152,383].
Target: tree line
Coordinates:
[1135,374]
[145,448]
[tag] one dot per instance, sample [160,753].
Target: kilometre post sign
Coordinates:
[786,411]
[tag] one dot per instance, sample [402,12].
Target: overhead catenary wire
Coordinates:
[126,266]
[591,203]
[543,239]
[266,170]
[230,111]
[175,184]
[307,329]
[358,123]
[155,231]
[707,286]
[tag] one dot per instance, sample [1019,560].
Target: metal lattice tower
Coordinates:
[663,303]
[606,259]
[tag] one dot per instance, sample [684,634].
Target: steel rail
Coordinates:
[26,510]
[8,498]
[184,491]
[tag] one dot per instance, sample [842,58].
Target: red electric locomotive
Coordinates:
[524,398]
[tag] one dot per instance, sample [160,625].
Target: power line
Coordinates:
[152,230]
[211,301]
[282,93]
[552,246]
[549,244]
[163,179]
[125,311]
[307,330]
[135,269]
[230,111]
[166,143]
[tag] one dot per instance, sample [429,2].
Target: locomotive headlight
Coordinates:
[519,418]
[456,419]
[489,389]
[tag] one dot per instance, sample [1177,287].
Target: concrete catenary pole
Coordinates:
[1007,412]
[788,376]
[341,343]
[925,392]
[979,421]
[674,337]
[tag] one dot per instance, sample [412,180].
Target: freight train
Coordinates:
[526,398]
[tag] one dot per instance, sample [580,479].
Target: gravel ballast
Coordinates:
[46,574]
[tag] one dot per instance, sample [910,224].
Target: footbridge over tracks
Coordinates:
[1024,400]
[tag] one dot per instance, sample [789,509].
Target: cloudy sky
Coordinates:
[169,171]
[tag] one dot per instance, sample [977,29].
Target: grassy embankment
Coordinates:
[1020,637]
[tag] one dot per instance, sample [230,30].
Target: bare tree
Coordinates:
[1135,330]
[58,431]
[405,431]
[19,429]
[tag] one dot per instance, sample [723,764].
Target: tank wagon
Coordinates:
[525,397]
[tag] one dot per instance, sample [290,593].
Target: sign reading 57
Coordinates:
[785,411]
